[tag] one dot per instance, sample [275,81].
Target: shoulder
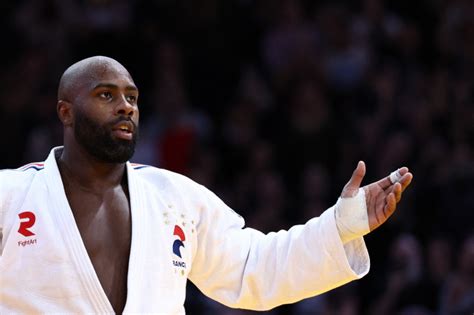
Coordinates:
[13,179]
[173,186]
[162,177]
[14,186]
[206,205]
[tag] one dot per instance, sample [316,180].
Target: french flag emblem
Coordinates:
[179,242]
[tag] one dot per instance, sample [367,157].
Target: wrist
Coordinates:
[351,215]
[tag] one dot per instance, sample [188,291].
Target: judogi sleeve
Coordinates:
[244,268]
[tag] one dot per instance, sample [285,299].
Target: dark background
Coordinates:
[270,104]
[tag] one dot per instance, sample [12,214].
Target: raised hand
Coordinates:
[381,196]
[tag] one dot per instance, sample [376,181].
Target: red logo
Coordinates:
[28,220]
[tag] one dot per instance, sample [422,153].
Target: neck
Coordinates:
[78,165]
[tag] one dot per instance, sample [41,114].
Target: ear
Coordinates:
[65,112]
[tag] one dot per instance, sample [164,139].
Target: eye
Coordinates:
[106,95]
[131,98]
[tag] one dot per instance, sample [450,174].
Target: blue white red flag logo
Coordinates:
[179,242]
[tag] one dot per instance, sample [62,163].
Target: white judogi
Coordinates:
[172,216]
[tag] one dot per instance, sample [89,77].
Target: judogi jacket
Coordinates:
[180,231]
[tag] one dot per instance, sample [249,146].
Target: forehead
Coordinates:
[114,74]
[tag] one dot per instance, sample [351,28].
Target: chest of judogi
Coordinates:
[45,266]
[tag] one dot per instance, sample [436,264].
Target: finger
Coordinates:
[390,205]
[397,191]
[353,184]
[379,216]
[386,182]
[406,180]
[403,170]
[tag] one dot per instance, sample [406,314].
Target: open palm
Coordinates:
[381,196]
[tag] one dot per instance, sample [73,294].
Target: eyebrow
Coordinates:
[114,86]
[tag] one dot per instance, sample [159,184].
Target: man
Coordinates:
[88,232]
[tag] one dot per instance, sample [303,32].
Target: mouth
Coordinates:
[124,130]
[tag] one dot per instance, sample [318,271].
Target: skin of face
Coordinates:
[103,105]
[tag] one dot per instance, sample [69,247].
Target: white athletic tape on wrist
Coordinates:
[395,176]
[351,217]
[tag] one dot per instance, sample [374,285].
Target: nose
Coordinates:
[125,108]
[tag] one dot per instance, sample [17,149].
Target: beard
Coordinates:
[99,142]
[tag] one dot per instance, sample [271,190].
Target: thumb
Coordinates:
[352,186]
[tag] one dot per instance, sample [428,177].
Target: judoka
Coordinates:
[88,232]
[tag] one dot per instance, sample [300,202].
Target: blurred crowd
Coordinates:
[270,104]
